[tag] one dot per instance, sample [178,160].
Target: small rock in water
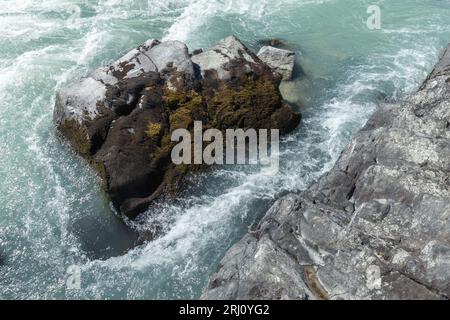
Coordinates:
[196,52]
[279,60]
[271,42]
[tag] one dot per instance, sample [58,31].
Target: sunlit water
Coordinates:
[52,212]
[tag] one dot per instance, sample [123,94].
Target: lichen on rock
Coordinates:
[153,129]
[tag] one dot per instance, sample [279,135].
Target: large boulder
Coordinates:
[120,117]
[377,226]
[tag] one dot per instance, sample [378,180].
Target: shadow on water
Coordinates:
[99,231]
[103,236]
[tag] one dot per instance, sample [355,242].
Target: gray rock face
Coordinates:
[279,60]
[82,100]
[377,226]
[219,58]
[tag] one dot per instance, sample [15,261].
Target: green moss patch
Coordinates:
[188,99]
[153,130]
[180,119]
[245,106]
[77,135]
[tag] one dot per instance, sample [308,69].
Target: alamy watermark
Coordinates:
[373,277]
[239,146]
[73,280]
[373,22]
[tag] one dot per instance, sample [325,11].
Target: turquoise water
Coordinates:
[52,212]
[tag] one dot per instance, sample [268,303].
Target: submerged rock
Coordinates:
[273,42]
[377,226]
[120,117]
[279,60]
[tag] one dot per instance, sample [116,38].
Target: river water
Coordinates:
[56,226]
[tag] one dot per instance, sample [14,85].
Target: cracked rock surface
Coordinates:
[377,226]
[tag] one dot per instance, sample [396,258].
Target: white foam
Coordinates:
[198,13]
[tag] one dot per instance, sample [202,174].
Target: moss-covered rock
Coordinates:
[248,106]
[180,119]
[153,129]
[77,135]
[120,118]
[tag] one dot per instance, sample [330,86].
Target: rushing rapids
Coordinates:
[54,217]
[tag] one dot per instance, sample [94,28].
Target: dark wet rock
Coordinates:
[377,226]
[197,51]
[120,117]
[101,237]
[273,42]
[279,60]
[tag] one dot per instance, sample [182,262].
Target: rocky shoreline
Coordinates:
[377,226]
[120,117]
